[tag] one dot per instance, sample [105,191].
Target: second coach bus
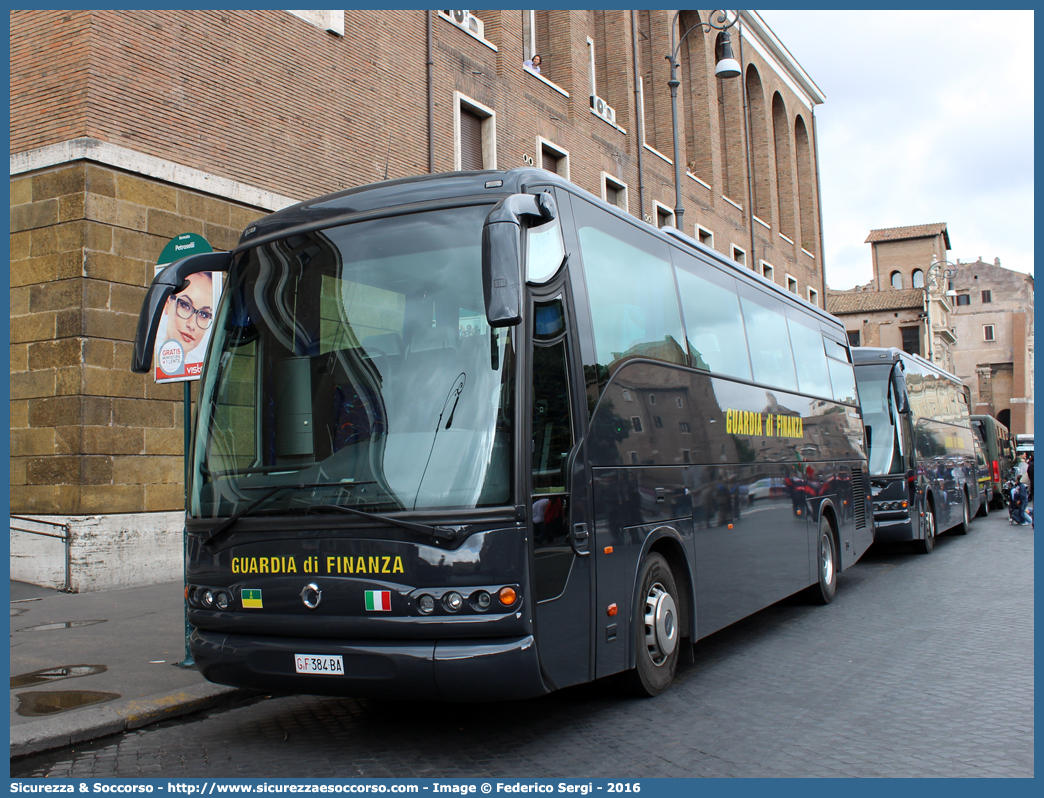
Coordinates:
[923,471]
[482,435]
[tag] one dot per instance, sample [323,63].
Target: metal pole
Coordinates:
[639,126]
[679,211]
[188,662]
[746,149]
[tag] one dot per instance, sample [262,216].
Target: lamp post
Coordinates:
[931,285]
[726,67]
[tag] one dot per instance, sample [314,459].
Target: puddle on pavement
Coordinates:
[16,611]
[37,703]
[48,627]
[54,674]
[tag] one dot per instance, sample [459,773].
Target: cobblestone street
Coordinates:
[922,666]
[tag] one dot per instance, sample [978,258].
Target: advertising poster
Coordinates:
[184,328]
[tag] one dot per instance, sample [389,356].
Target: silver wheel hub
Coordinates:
[661,624]
[828,561]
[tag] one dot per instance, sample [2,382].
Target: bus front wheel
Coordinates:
[656,630]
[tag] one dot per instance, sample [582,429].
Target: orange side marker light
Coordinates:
[507,596]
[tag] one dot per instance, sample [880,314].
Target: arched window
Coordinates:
[897,280]
[731,138]
[806,185]
[784,166]
[762,182]
[694,72]
[918,278]
[655,97]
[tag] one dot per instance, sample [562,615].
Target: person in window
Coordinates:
[532,64]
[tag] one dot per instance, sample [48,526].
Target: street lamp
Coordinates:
[931,285]
[726,67]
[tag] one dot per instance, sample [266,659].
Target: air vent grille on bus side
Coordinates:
[859,497]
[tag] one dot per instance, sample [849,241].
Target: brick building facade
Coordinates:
[977,324]
[901,306]
[130,127]
[993,317]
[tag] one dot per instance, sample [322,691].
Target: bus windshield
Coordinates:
[354,366]
[880,418]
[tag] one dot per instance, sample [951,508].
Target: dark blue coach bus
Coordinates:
[923,470]
[482,435]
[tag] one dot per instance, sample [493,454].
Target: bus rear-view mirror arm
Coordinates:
[902,405]
[502,254]
[167,282]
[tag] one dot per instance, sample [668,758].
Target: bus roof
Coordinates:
[494,184]
[862,355]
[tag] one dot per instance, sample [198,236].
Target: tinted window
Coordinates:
[634,307]
[712,318]
[809,355]
[767,339]
[842,377]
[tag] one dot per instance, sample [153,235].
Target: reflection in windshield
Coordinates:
[880,418]
[358,356]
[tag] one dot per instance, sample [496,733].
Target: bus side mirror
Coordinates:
[167,282]
[902,403]
[502,254]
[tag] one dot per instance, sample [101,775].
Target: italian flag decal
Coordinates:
[251,599]
[378,601]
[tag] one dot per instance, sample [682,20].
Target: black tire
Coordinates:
[926,545]
[826,566]
[962,527]
[656,629]
[984,509]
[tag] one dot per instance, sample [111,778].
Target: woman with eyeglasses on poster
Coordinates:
[188,318]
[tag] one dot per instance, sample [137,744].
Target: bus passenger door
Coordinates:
[562,566]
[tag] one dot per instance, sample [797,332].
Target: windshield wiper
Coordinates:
[271,491]
[438,532]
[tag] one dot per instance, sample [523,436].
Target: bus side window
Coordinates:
[771,358]
[634,306]
[842,377]
[552,424]
[713,324]
[544,252]
[809,353]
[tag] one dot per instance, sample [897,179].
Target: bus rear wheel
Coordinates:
[823,593]
[656,630]
[926,545]
[962,527]
[984,509]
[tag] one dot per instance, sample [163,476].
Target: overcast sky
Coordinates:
[928,118]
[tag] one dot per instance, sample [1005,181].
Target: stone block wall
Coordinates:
[88,435]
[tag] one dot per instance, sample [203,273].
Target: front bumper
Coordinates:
[893,527]
[451,670]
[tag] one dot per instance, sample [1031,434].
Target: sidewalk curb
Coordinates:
[94,722]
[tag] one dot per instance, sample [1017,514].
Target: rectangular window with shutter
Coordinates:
[470,141]
[613,191]
[475,135]
[552,157]
[911,340]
